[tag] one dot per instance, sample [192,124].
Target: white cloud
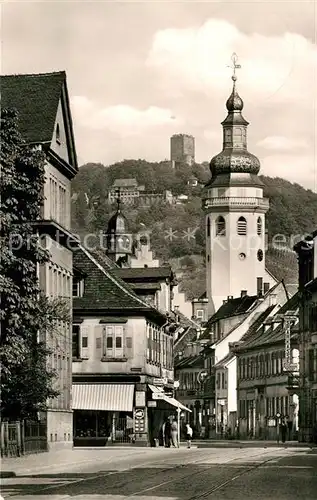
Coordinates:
[280,143]
[122,119]
[300,169]
[277,68]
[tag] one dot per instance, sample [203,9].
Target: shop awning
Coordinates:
[105,397]
[158,394]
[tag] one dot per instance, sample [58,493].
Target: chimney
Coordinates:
[224,301]
[259,286]
[266,288]
[230,297]
[244,293]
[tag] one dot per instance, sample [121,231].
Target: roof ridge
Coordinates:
[105,271]
[49,73]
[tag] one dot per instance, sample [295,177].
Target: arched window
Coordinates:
[208,226]
[242,226]
[220,226]
[259,226]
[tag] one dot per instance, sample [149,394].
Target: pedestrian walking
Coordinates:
[167,431]
[189,435]
[283,431]
[174,432]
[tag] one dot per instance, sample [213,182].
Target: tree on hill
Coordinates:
[26,316]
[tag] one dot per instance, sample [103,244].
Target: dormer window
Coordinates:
[58,136]
[78,287]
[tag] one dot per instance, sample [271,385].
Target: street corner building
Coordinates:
[122,356]
[307,384]
[45,123]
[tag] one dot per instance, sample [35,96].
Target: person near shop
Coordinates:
[189,435]
[167,433]
[174,434]
[283,431]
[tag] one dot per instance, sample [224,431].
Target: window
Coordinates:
[208,227]
[200,314]
[259,226]
[78,287]
[113,341]
[84,342]
[58,135]
[220,226]
[242,226]
[76,343]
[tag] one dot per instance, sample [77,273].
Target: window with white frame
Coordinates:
[78,287]
[113,341]
[200,313]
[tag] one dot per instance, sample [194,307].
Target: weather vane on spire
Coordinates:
[234,66]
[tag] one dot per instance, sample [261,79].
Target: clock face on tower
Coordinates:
[242,256]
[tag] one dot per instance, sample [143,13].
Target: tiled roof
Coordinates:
[190,362]
[233,307]
[125,183]
[145,286]
[36,99]
[140,273]
[105,292]
[274,334]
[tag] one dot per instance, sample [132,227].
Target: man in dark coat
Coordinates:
[167,433]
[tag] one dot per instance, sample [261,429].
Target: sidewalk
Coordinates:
[228,443]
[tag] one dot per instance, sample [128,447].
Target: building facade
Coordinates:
[45,122]
[267,381]
[182,149]
[307,262]
[122,358]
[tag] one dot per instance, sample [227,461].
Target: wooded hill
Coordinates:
[293,212]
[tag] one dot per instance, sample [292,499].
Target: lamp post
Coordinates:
[278,415]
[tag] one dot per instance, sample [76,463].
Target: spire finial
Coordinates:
[235,66]
[118,199]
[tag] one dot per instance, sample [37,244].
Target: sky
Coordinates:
[138,72]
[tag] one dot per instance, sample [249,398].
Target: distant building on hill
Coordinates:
[182,149]
[132,193]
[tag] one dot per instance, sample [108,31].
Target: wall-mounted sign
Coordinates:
[159,381]
[139,398]
[139,414]
[158,395]
[152,404]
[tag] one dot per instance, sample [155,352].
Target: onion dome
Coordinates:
[234,158]
[234,102]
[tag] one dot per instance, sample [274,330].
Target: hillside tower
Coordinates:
[234,213]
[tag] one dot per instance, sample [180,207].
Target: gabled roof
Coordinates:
[233,307]
[105,292]
[272,335]
[36,98]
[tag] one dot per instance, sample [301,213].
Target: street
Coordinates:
[171,474]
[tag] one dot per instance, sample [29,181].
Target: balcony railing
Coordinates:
[232,201]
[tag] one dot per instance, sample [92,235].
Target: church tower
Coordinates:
[119,243]
[235,213]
